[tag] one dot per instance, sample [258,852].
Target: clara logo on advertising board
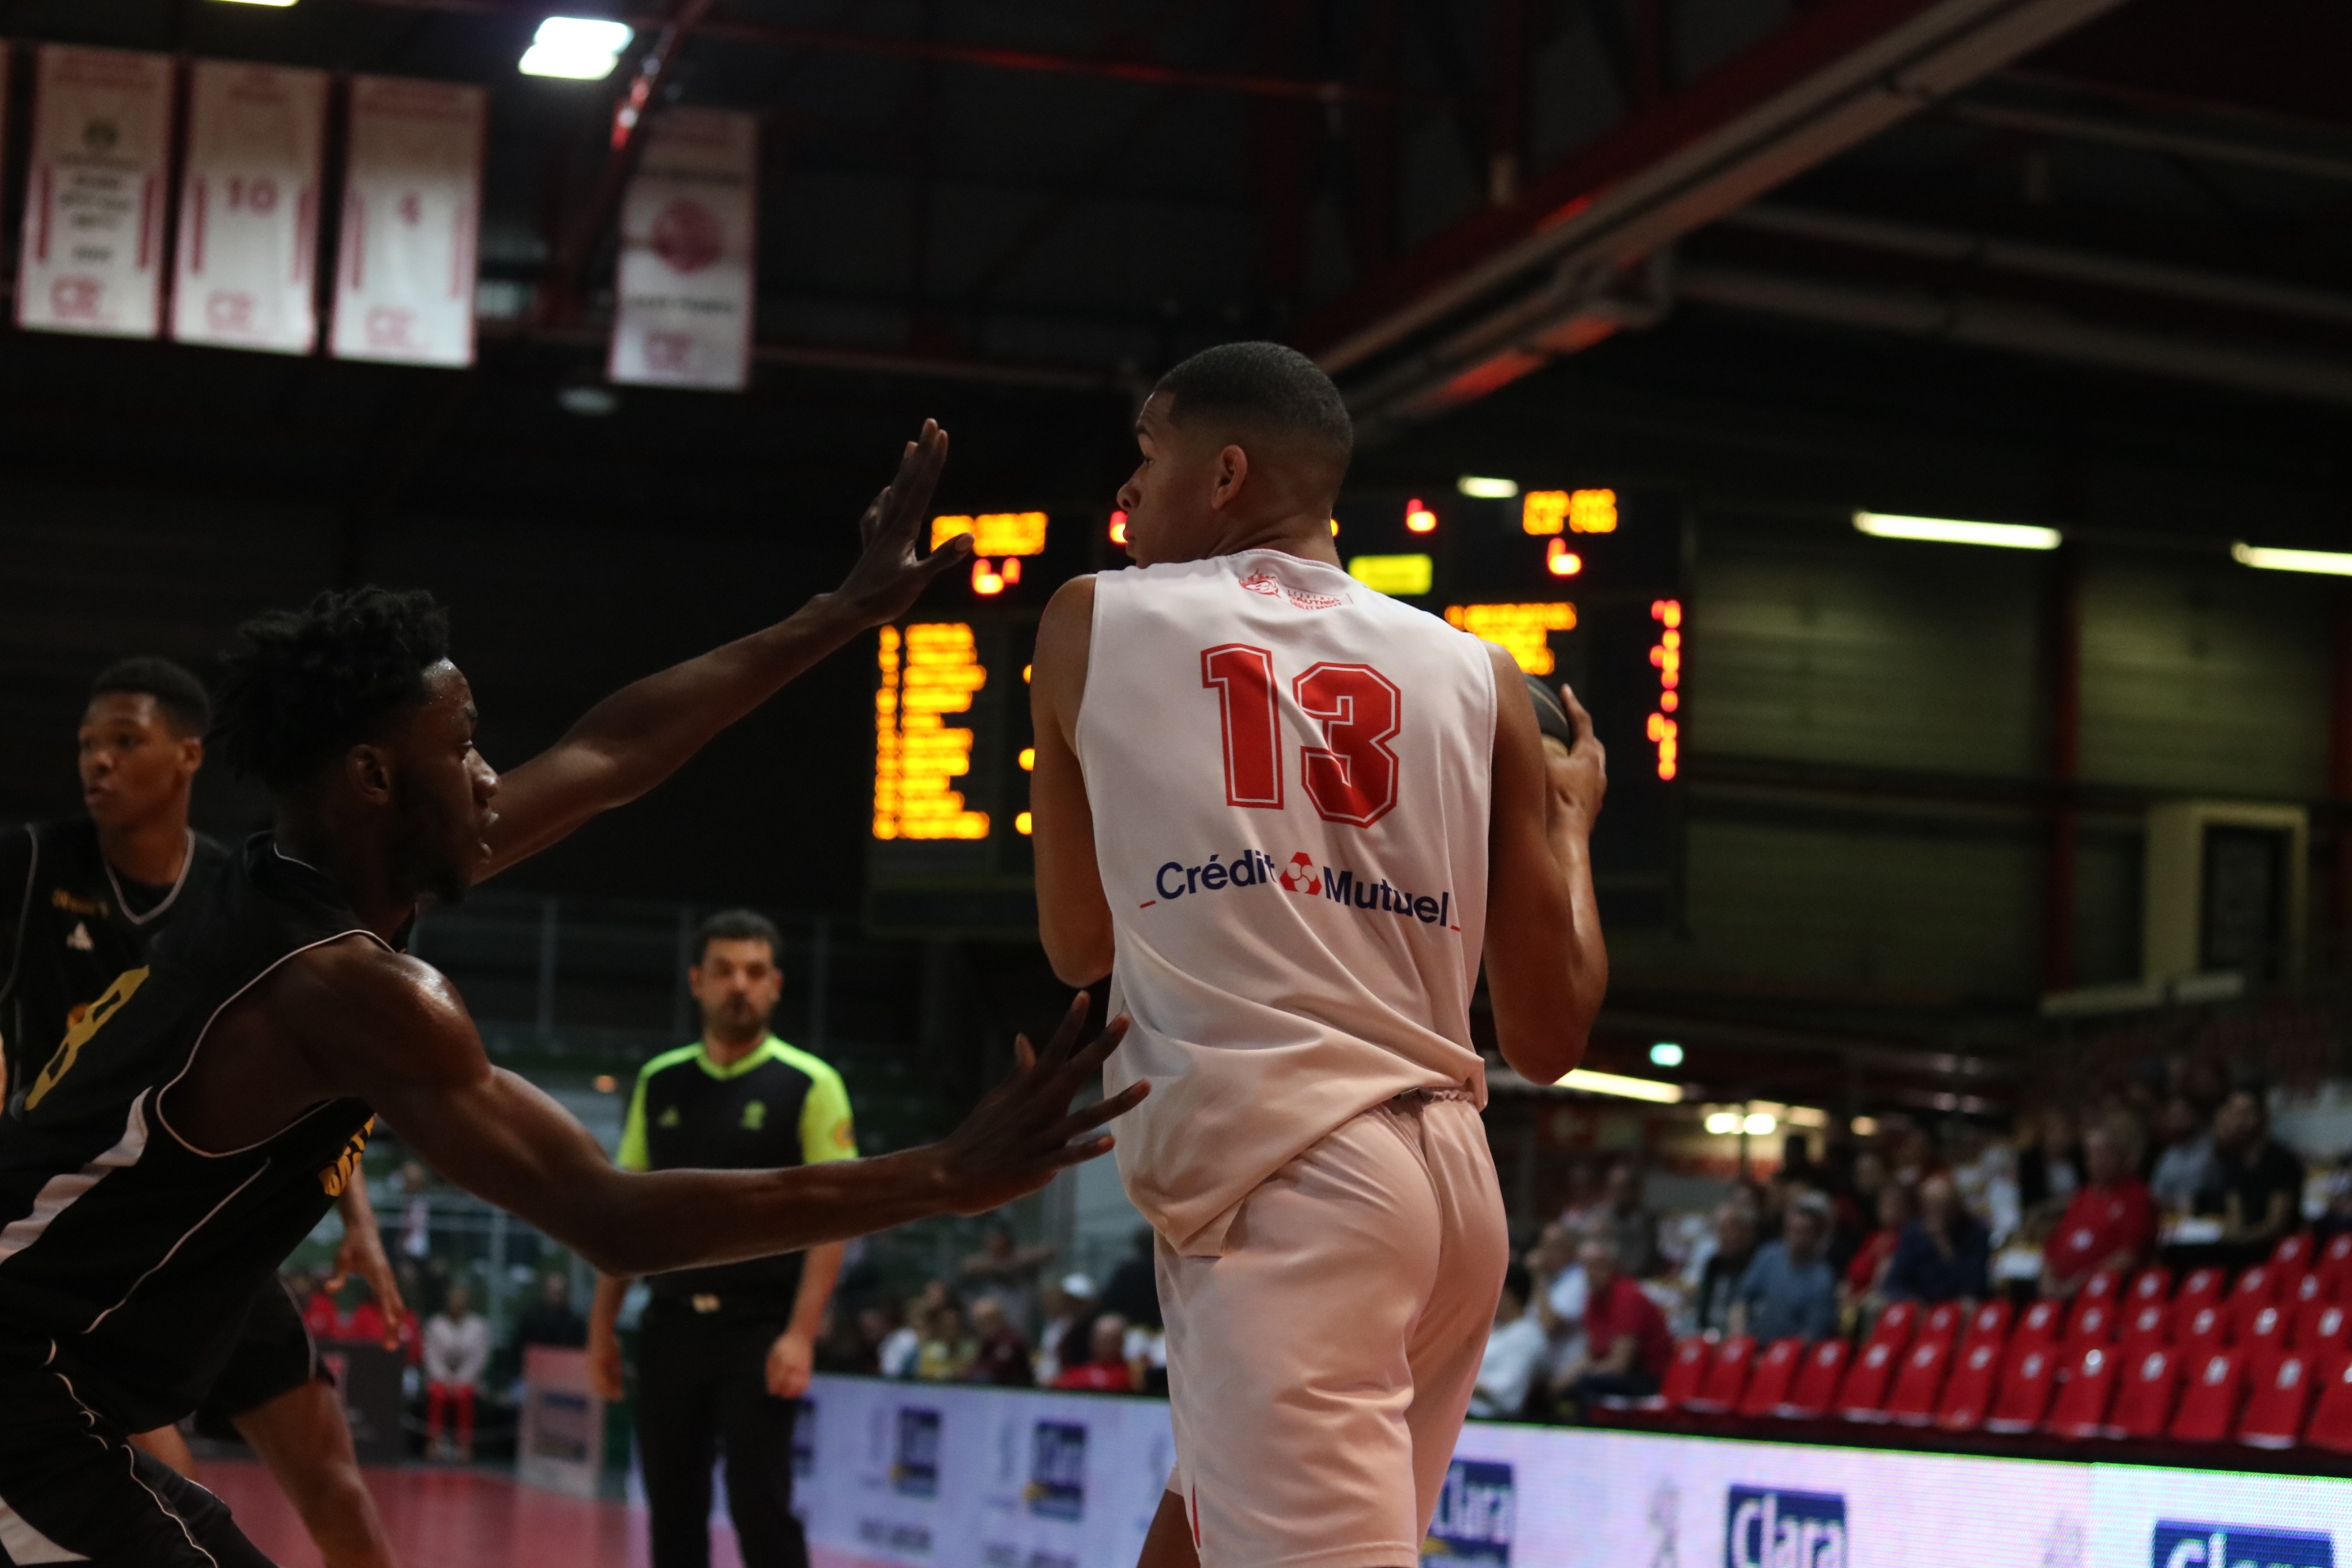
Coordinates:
[1057,1470]
[1767,1528]
[2179,1544]
[915,1469]
[1474,1513]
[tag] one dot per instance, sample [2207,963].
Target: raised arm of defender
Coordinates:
[637,737]
[392,1031]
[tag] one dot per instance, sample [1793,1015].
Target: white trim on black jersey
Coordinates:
[60,1192]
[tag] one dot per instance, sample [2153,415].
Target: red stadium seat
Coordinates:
[1864,1395]
[2291,1259]
[2024,1389]
[2147,1328]
[2089,1389]
[2039,1325]
[2257,1287]
[2275,1410]
[2150,1382]
[2335,1259]
[1912,1403]
[1942,1322]
[1686,1374]
[2151,1285]
[2202,1332]
[1726,1377]
[1768,1383]
[2209,1404]
[1896,1324]
[1968,1393]
[2261,1342]
[2203,1285]
[1817,1380]
[2093,1323]
[2312,1291]
[2324,1326]
[1989,1322]
[2331,1423]
[2103,1285]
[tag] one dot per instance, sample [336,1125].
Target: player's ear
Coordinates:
[368,770]
[1233,477]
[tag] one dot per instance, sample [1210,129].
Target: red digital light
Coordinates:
[1666,657]
[1118,528]
[988,581]
[1561,561]
[1419,518]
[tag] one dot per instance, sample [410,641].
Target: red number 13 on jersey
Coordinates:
[1352,777]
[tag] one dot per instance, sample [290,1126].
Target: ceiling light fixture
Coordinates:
[577,48]
[281,4]
[1952,530]
[2333,562]
[1666,1054]
[1589,1082]
[1483,487]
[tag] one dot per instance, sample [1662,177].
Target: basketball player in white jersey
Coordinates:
[1288,816]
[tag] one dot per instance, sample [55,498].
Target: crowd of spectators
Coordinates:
[1008,1320]
[2186,1171]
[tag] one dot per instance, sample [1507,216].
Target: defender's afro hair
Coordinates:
[305,686]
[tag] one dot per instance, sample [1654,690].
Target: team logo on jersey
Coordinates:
[755,1116]
[1299,877]
[1253,867]
[1274,587]
[338,1176]
[667,1119]
[62,899]
[78,938]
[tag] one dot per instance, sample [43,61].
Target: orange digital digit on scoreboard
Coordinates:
[928,674]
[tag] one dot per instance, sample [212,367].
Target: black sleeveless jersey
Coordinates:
[127,1257]
[69,926]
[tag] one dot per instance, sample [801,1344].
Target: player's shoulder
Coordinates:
[358,981]
[676,1057]
[817,1070]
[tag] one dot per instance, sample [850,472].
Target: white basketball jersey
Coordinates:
[1289,775]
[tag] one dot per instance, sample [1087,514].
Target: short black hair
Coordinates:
[738,925]
[179,696]
[306,685]
[1269,387]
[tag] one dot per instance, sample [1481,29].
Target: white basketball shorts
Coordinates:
[1318,1372]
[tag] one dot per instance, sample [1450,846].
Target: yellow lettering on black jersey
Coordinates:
[89,1023]
[338,1176]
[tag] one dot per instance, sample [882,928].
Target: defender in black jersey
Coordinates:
[206,1111]
[82,901]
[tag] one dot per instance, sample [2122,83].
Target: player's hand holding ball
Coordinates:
[1577,770]
[1022,1132]
[892,573]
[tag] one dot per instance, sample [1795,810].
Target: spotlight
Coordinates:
[1952,530]
[1483,487]
[2333,562]
[578,49]
[1666,1054]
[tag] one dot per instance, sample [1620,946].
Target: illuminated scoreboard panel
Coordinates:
[947,852]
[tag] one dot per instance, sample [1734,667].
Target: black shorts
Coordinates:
[71,1489]
[273,1354]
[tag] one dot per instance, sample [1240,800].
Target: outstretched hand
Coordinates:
[892,573]
[1025,1131]
[1577,778]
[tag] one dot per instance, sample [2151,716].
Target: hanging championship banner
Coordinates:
[92,259]
[685,286]
[412,204]
[249,208]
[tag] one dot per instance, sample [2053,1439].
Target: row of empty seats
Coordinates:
[2265,1361]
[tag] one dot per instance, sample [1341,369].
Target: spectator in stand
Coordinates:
[1008,1271]
[2261,1180]
[457,1351]
[2186,1175]
[948,1347]
[1560,1287]
[1003,1357]
[2048,1156]
[2110,1222]
[1719,1281]
[550,1320]
[1515,1347]
[1106,1369]
[319,1314]
[1628,1220]
[1584,1197]
[1865,1271]
[1789,1290]
[1626,1345]
[1068,1304]
[1133,1288]
[1943,1255]
[901,1349]
[364,1323]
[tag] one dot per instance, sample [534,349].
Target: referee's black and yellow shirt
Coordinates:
[776,1106]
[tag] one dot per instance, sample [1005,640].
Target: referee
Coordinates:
[724,1353]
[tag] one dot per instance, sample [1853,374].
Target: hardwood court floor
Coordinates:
[455,1519]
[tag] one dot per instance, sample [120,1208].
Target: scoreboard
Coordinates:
[1580,586]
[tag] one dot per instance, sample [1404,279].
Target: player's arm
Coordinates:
[637,737]
[392,1031]
[361,1253]
[1547,968]
[1073,916]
